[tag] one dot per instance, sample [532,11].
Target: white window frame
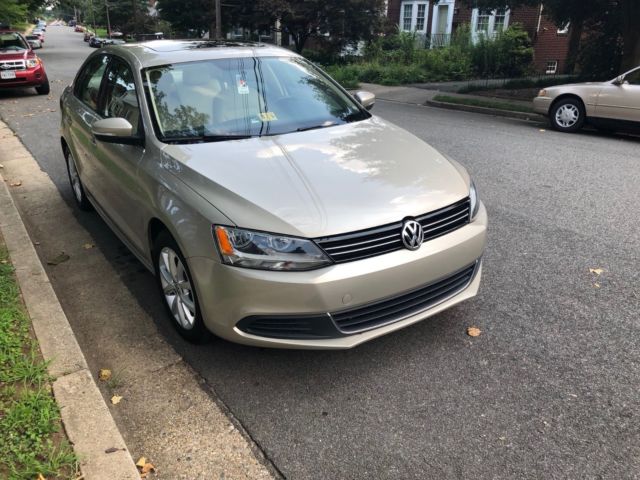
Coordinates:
[436,13]
[564,29]
[491,30]
[414,15]
[551,70]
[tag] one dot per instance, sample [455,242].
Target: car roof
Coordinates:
[162,52]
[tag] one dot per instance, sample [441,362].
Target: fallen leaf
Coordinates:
[16,184]
[148,467]
[597,271]
[116,399]
[473,331]
[63,257]
[105,374]
[596,285]
[40,477]
[114,449]
[88,246]
[141,462]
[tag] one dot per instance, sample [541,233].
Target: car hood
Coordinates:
[321,182]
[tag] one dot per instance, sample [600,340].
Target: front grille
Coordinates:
[12,65]
[385,239]
[394,309]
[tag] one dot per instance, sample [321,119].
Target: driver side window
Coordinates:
[633,78]
[120,96]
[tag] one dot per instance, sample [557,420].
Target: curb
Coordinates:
[85,416]
[487,111]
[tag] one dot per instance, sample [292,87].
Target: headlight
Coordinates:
[542,93]
[33,62]
[249,249]
[475,201]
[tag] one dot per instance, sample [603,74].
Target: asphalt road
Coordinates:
[549,390]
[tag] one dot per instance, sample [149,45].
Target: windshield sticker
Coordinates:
[268,116]
[243,88]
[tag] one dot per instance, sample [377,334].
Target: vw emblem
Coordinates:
[412,235]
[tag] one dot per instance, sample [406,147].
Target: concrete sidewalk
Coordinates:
[168,414]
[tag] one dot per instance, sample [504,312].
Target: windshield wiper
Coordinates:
[205,138]
[315,127]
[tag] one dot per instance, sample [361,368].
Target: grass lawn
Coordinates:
[478,102]
[32,442]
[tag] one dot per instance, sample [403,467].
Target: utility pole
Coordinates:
[218,20]
[106,4]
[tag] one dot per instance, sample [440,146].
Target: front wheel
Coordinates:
[44,89]
[568,115]
[178,290]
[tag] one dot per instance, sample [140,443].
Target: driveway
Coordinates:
[548,390]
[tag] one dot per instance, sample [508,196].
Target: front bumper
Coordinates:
[32,77]
[541,105]
[227,295]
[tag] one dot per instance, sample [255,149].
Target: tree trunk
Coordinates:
[630,35]
[575,35]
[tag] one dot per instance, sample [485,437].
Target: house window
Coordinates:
[407,17]
[414,16]
[499,20]
[552,67]
[564,29]
[482,23]
[420,20]
[489,22]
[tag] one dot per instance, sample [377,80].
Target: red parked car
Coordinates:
[20,67]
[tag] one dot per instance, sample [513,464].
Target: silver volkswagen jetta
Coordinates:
[274,209]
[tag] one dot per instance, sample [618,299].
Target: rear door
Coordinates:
[80,113]
[621,102]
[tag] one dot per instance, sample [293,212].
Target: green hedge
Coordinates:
[397,59]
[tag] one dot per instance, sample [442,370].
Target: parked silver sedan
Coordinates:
[607,105]
[273,208]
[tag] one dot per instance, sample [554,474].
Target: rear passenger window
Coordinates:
[89,80]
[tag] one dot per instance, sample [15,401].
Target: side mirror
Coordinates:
[366,99]
[115,130]
[619,80]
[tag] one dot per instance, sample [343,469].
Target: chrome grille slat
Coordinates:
[375,241]
[396,235]
[12,65]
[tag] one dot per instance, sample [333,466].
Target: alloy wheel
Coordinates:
[75,179]
[176,287]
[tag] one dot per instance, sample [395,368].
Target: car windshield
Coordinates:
[244,97]
[12,41]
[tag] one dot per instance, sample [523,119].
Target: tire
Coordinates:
[567,115]
[44,89]
[76,184]
[177,289]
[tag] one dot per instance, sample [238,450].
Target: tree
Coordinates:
[339,22]
[186,15]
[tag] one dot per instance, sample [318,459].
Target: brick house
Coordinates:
[437,21]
